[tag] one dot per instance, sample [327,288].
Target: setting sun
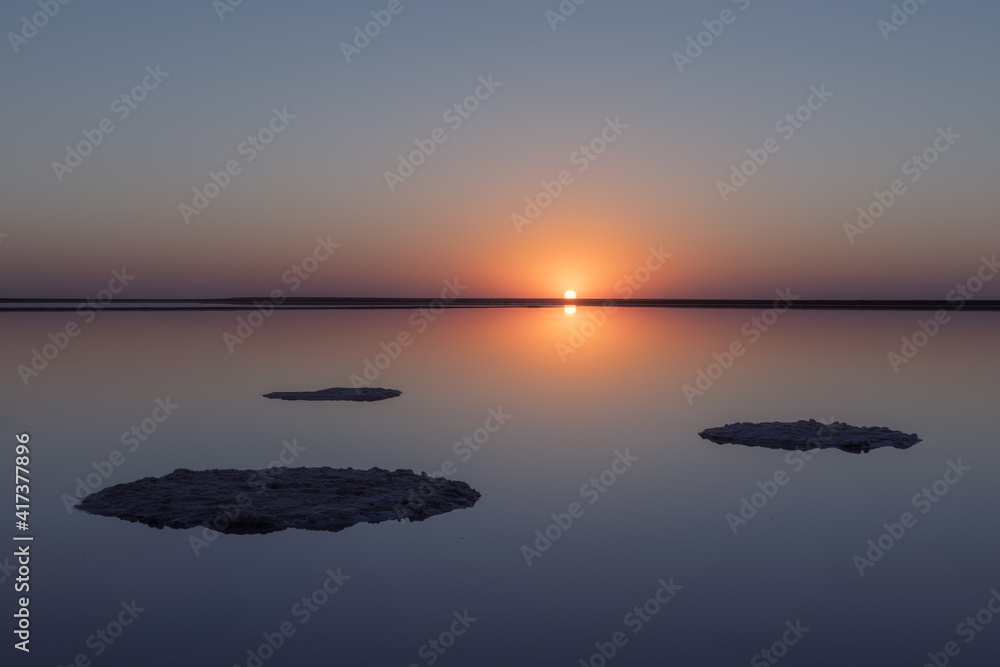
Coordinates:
[569,294]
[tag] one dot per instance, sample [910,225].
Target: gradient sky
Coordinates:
[323,175]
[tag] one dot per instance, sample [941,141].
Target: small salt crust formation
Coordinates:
[337,394]
[811,434]
[273,499]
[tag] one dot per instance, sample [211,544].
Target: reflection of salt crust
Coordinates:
[264,501]
[337,394]
[811,434]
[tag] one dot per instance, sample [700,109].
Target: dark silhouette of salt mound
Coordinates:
[337,394]
[273,499]
[810,434]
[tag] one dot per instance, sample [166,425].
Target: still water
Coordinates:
[653,546]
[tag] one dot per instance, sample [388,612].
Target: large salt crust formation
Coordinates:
[273,499]
[809,434]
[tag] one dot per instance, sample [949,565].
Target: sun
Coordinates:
[569,294]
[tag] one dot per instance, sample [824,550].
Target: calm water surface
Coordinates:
[617,396]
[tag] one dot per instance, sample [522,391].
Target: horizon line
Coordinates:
[407,303]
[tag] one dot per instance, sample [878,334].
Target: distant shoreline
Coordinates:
[410,303]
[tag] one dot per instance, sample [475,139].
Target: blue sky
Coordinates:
[325,173]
